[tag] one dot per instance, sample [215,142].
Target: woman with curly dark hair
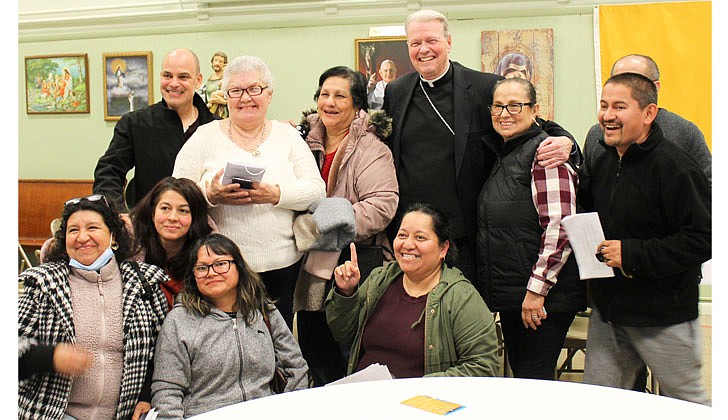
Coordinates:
[87,321]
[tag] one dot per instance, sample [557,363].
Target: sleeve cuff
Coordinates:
[538,286]
[39,359]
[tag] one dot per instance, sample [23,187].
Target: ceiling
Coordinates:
[41,20]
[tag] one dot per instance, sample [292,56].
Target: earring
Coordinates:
[114,246]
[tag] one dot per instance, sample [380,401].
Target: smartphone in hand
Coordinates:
[244,183]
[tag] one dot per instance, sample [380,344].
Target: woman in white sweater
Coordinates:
[258,218]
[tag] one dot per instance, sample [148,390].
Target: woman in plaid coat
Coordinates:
[88,321]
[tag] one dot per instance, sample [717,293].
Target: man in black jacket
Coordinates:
[439,114]
[654,203]
[149,139]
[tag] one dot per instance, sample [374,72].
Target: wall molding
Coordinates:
[43,20]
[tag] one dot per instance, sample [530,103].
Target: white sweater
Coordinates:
[263,232]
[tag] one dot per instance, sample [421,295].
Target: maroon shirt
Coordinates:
[389,336]
[171,288]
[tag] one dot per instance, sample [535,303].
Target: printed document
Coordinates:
[585,234]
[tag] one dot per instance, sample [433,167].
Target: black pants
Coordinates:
[280,285]
[533,354]
[325,359]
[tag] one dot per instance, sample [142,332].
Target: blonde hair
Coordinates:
[427,15]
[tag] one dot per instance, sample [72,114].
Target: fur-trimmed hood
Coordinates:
[378,122]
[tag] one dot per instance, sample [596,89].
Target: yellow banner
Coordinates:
[678,37]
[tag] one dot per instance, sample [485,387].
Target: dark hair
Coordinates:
[527,86]
[642,88]
[111,219]
[357,85]
[440,226]
[518,59]
[251,290]
[146,237]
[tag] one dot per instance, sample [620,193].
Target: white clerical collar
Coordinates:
[432,82]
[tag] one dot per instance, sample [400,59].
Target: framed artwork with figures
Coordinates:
[56,84]
[524,53]
[127,83]
[370,52]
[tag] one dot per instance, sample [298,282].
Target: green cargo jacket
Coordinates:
[460,337]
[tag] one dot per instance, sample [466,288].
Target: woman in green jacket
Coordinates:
[416,315]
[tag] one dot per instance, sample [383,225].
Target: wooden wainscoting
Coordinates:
[40,201]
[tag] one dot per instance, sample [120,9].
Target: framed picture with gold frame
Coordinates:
[127,83]
[370,52]
[56,84]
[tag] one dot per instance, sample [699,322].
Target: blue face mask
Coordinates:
[101,261]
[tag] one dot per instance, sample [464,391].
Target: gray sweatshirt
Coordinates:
[206,362]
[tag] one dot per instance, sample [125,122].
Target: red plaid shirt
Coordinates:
[554,195]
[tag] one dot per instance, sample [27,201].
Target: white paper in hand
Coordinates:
[251,171]
[150,415]
[585,234]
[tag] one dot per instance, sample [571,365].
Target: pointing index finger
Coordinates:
[354,259]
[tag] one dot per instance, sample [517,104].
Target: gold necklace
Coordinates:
[426,289]
[255,152]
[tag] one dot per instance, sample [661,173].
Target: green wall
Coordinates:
[68,146]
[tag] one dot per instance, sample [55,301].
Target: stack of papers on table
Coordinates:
[373,372]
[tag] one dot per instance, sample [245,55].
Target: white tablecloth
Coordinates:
[483,398]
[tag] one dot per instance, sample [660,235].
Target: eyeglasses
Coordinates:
[92,197]
[513,109]
[219,267]
[254,90]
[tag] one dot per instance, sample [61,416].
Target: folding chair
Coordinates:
[574,343]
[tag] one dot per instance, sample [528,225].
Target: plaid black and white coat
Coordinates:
[45,315]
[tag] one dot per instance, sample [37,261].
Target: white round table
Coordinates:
[483,398]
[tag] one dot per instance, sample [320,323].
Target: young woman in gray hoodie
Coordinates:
[215,349]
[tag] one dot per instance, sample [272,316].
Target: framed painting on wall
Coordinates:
[524,53]
[371,52]
[56,84]
[127,83]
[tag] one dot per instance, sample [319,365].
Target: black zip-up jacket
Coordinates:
[147,140]
[657,201]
